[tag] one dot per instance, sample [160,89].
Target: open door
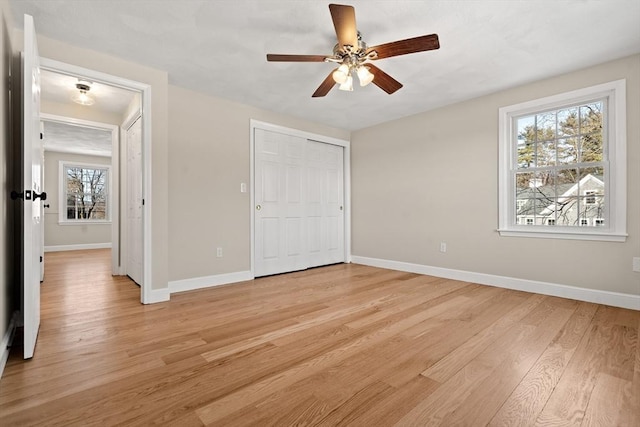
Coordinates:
[134,201]
[32,185]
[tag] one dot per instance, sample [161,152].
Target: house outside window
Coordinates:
[563,165]
[84,193]
[590,197]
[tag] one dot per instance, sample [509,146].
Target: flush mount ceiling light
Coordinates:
[82,97]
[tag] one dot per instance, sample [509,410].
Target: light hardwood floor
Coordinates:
[339,345]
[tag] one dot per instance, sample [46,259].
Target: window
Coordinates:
[563,163]
[590,197]
[84,193]
[529,221]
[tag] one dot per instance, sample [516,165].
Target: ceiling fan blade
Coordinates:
[274,57]
[325,86]
[404,47]
[383,80]
[344,21]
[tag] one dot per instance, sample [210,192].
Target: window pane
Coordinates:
[568,122]
[592,195]
[591,117]
[526,127]
[566,202]
[524,181]
[546,126]
[546,154]
[567,150]
[591,148]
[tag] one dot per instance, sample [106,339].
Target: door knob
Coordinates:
[46,205]
[258,207]
[42,196]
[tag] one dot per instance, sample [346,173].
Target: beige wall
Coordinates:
[209,158]
[60,235]
[432,178]
[9,297]
[158,80]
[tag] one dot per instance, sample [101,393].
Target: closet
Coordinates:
[299,203]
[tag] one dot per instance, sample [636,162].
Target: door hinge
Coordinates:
[142,202]
[41,135]
[40,258]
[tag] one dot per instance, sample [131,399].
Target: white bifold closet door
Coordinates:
[299,203]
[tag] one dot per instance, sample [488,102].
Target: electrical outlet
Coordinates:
[219,252]
[443,247]
[243,187]
[636,264]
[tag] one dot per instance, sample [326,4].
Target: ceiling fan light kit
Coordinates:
[352,53]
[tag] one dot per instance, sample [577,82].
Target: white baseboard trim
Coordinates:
[614,299]
[60,248]
[209,281]
[7,340]
[157,295]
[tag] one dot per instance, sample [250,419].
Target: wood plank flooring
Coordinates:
[338,345]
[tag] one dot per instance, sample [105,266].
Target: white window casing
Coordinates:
[614,164]
[62,193]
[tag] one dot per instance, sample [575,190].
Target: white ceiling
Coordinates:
[75,138]
[69,138]
[218,47]
[59,88]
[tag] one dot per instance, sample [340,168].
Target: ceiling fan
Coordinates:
[353,54]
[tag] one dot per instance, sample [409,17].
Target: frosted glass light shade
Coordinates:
[347,85]
[364,75]
[82,98]
[340,75]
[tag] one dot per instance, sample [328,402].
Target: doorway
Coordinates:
[136,108]
[77,172]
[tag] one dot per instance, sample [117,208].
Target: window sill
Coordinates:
[564,234]
[84,222]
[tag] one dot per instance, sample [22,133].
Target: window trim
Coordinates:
[62,194]
[616,183]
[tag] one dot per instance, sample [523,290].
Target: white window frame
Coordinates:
[62,193]
[616,180]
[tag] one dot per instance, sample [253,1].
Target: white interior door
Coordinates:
[280,203]
[325,203]
[32,185]
[134,202]
[42,205]
[299,215]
